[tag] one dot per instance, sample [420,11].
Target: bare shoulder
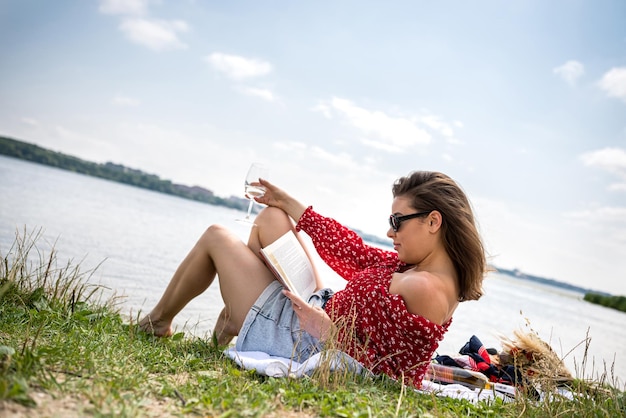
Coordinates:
[425,294]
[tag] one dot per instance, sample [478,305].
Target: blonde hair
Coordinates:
[436,191]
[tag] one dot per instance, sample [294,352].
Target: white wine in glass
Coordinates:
[257,171]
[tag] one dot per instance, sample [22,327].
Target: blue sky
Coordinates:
[522,102]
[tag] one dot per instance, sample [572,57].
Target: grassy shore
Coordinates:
[64,351]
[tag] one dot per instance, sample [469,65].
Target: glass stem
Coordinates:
[250,209]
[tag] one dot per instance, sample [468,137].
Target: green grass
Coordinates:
[60,340]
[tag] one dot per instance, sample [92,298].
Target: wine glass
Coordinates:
[255,172]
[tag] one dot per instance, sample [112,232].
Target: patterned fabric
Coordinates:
[374,325]
[474,356]
[440,373]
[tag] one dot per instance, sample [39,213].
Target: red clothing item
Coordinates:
[374,325]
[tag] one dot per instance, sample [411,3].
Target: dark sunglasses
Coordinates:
[395,221]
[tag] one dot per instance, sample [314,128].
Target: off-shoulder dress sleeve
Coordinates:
[340,247]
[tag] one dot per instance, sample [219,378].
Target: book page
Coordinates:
[290,262]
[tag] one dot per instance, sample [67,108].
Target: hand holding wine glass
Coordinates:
[251,187]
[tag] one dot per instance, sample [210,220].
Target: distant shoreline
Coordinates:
[517,274]
[134,177]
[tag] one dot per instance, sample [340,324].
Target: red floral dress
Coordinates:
[375,326]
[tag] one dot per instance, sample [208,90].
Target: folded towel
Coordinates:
[458,391]
[274,366]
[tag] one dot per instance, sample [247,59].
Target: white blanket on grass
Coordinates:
[272,366]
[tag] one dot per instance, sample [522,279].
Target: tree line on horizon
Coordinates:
[114,172]
[613,302]
[122,174]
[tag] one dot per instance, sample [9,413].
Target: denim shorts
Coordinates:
[271,326]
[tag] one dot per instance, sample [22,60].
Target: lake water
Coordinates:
[136,238]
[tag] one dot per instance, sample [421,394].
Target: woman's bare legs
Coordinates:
[242,274]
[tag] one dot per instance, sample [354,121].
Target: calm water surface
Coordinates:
[136,239]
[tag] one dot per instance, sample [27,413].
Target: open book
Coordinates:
[290,264]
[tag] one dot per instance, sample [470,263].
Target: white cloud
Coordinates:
[264,94]
[612,160]
[394,131]
[290,146]
[125,101]
[123,7]
[435,123]
[614,83]
[571,71]
[382,146]
[324,110]
[237,67]
[445,129]
[611,215]
[607,223]
[303,150]
[338,160]
[83,145]
[618,187]
[157,35]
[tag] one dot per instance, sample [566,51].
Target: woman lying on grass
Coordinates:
[396,306]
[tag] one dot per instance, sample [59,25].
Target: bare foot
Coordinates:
[159,328]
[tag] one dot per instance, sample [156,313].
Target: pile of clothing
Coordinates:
[524,362]
[475,357]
